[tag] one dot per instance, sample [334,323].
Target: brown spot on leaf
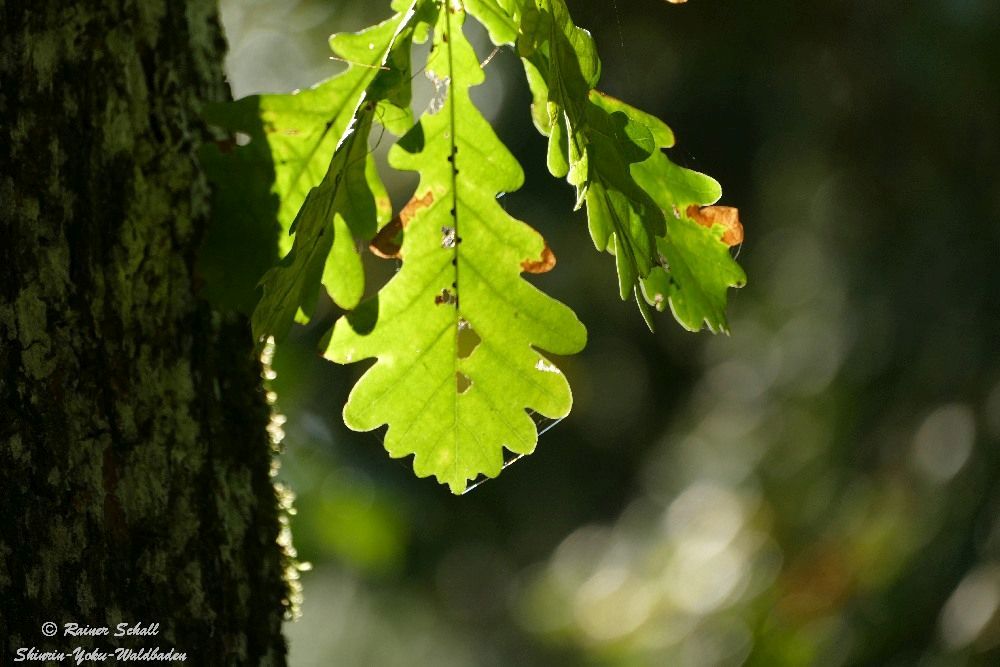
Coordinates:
[414,205]
[543,265]
[445,297]
[386,243]
[727,216]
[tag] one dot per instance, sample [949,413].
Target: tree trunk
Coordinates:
[135,462]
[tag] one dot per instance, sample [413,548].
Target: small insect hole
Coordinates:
[468,339]
[444,297]
[448,238]
[463,382]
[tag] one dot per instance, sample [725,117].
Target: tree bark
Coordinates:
[135,460]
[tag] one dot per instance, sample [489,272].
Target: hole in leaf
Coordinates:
[445,297]
[440,92]
[468,339]
[447,237]
[463,382]
[242,138]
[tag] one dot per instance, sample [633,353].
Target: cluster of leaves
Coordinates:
[457,331]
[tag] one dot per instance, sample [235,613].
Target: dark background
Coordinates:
[820,487]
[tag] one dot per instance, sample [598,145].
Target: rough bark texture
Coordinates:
[134,457]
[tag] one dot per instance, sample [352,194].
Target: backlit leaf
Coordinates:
[612,153]
[302,131]
[323,248]
[346,201]
[697,268]
[455,406]
[457,334]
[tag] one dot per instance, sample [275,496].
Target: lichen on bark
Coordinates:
[134,454]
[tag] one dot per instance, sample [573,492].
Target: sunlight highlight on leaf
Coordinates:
[458,334]
[462,259]
[612,153]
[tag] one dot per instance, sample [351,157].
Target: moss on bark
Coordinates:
[134,456]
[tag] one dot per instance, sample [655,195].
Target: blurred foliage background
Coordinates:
[822,487]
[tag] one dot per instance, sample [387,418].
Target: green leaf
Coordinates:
[323,246]
[621,216]
[347,201]
[675,188]
[593,138]
[698,268]
[456,331]
[495,19]
[292,139]
[457,334]
[636,198]
[304,129]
